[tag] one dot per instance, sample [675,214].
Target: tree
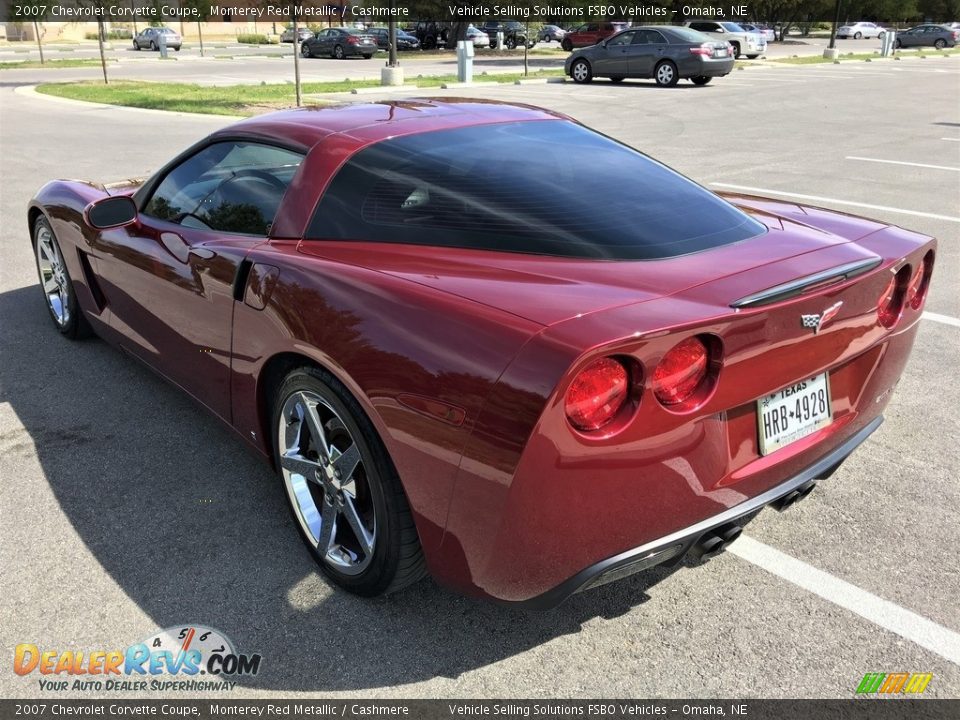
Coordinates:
[203,12]
[38,11]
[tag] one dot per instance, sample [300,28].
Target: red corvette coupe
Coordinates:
[527,383]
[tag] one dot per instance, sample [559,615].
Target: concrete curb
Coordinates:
[380,89]
[460,85]
[31,91]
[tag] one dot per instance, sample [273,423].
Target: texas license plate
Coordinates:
[793,413]
[720,52]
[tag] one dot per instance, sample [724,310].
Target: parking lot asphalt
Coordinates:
[125,508]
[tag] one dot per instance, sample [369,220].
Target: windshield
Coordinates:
[732,27]
[576,194]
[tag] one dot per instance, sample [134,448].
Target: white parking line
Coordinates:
[834,201]
[901,162]
[951,139]
[888,615]
[937,317]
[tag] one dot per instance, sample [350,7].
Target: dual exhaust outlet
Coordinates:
[715,541]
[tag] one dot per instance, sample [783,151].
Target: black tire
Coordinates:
[701,80]
[581,72]
[75,327]
[367,56]
[305,51]
[566,44]
[857,35]
[897,44]
[136,46]
[397,558]
[511,43]
[153,46]
[338,52]
[616,78]
[665,73]
[736,50]
[940,44]
[752,57]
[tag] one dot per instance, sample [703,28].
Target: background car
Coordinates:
[514,34]
[765,30]
[405,41]
[938,36]
[860,30]
[663,52]
[431,34]
[303,33]
[149,38]
[478,37]
[340,43]
[528,382]
[590,34]
[746,43]
[548,33]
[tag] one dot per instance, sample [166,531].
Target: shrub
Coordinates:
[112,35]
[252,39]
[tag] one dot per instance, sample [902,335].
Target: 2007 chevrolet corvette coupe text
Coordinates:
[527,378]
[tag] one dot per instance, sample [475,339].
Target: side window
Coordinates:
[701,26]
[233,187]
[621,39]
[654,37]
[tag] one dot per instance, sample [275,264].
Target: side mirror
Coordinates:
[111,212]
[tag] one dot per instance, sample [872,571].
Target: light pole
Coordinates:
[392,73]
[831,51]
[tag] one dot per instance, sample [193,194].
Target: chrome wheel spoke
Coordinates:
[315,425]
[50,284]
[345,463]
[328,528]
[299,465]
[364,537]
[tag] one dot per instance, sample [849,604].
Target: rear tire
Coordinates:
[736,50]
[752,57]
[857,35]
[701,80]
[581,72]
[511,43]
[367,56]
[338,52]
[616,78]
[566,44]
[666,74]
[897,44]
[390,557]
[940,44]
[55,282]
[153,46]
[305,51]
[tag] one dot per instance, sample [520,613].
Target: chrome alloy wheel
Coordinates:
[325,477]
[53,275]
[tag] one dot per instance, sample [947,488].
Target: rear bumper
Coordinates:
[706,537]
[708,67]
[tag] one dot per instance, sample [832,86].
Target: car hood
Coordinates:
[548,290]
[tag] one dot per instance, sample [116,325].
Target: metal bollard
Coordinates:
[162,41]
[465,55]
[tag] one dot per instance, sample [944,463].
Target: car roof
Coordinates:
[371,122]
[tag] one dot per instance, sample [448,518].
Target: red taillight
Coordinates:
[680,372]
[353,40]
[917,288]
[705,49]
[890,304]
[596,395]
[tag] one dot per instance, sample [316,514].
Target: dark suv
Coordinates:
[514,34]
[431,34]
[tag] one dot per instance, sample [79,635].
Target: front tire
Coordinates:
[857,36]
[305,50]
[897,44]
[701,80]
[616,78]
[367,56]
[566,44]
[153,46]
[581,72]
[56,284]
[736,50]
[666,74]
[511,43]
[343,491]
[940,44]
[752,57]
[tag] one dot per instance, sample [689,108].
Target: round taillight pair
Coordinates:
[602,388]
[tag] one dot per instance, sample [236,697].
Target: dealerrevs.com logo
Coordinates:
[190,658]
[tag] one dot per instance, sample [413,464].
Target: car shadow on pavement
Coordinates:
[194,529]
